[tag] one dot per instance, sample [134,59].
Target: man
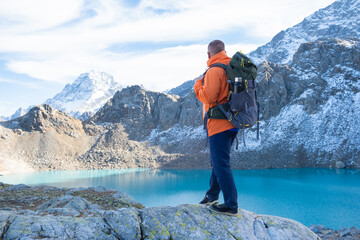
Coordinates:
[209,89]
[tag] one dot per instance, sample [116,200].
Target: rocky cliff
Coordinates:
[310,108]
[142,111]
[100,213]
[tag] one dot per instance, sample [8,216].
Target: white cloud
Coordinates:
[26,16]
[17,82]
[52,53]
[158,70]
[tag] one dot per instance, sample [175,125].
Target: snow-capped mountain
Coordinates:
[18,113]
[88,93]
[339,20]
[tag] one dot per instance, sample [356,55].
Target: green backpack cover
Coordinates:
[240,66]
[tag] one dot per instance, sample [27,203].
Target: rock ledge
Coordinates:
[85,213]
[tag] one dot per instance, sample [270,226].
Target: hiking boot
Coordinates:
[223,209]
[208,202]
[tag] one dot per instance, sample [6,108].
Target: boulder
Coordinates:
[78,215]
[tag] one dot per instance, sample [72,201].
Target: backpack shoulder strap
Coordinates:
[224,66]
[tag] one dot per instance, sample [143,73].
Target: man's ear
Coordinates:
[209,56]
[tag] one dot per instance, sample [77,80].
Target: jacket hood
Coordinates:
[220,57]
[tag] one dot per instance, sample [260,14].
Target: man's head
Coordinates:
[215,47]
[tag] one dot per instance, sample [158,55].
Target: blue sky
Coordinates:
[45,44]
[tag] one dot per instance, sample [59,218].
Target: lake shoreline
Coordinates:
[5,173]
[325,233]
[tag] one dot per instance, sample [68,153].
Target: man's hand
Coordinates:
[199,81]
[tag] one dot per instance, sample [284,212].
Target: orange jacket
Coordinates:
[214,87]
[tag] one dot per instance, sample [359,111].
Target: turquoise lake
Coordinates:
[311,196]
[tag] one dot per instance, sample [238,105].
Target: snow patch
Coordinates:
[176,134]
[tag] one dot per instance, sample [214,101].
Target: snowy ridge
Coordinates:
[87,94]
[340,20]
[18,113]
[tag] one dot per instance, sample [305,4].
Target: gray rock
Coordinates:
[124,223]
[5,218]
[17,187]
[317,228]
[198,222]
[59,227]
[330,234]
[6,208]
[55,219]
[68,205]
[96,189]
[345,232]
[340,164]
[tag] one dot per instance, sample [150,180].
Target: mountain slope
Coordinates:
[86,94]
[47,139]
[339,20]
[310,109]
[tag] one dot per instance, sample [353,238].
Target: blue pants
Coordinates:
[221,176]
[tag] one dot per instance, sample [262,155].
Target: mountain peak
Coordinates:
[95,78]
[43,117]
[86,94]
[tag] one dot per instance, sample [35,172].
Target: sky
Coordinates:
[45,44]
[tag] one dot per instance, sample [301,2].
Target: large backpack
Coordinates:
[242,108]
